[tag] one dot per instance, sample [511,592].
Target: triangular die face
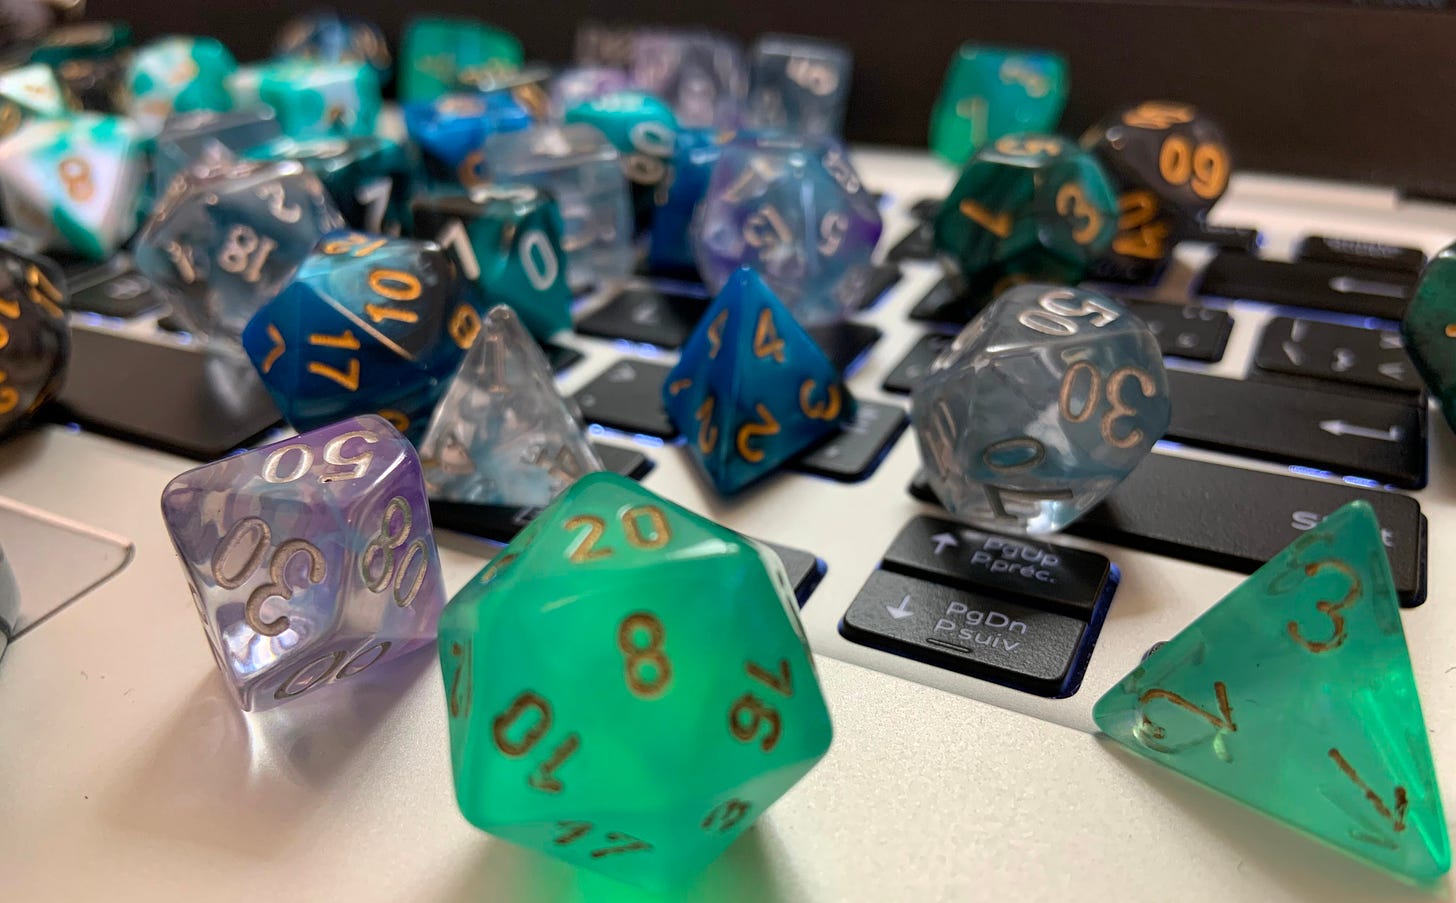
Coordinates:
[502,434]
[1295,695]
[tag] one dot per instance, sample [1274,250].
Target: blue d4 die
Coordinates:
[795,210]
[1046,401]
[751,389]
[450,132]
[368,325]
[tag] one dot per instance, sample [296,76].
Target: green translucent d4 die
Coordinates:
[1429,330]
[1294,695]
[628,686]
[990,92]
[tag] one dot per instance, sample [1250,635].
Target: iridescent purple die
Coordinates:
[794,209]
[310,560]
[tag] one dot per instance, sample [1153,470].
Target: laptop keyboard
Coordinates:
[1328,410]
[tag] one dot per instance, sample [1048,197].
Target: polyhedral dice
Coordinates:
[643,130]
[582,83]
[444,55]
[528,85]
[370,178]
[991,92]
[90,60]
[243,83]
[1168,164]
[331,37]
[628,686]
[1047,400]
[795,210]
[799,85]
[506,239]
[1026,208]
[701,75]
[670,250]
[597,44]
[502,434]
[578,166]
[1295,695]
[310,560]
[322,99]
[72,184]
[28,93]
[368,325]
[226,238]
[175,75]
[450,132]
[751,389]
[35,342]
[1429,330]
[207,137]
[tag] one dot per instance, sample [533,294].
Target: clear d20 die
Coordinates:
[207,137]
[507,240]
[751,389]
[502,434]
[73,183]
[1046,401]
[226,238]
[628,686]
[701,75]
[310,560]
[799,84]
[793,209]
[1295,695]
[369,177]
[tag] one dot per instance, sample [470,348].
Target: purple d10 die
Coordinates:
[311,560]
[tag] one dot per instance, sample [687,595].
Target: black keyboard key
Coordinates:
[1337,353]
[1149,511]
[917,363]
[945,303]
[653,316]
[1237,519]
[1186,330]
[627,396]
[1358,253]
[854,453]
[1072,581]
[123,295]
[843,342]
[629,462]
[925,209]
[559,357]
[1227,238]
[1334,431]
[805,570]
[1037,651]
[866,286]
[918,244]
[1321,286]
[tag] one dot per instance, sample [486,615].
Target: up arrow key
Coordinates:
[942,540]
[903,611]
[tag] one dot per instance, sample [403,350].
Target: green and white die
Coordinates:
[28,93]
[176,75]
[73,183]
[314,100]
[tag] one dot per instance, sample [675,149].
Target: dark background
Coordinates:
[1347,91]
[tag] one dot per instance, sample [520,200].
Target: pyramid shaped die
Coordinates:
[502,434]
[751,389]
[1294,695]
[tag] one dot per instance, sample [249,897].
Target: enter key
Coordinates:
[1026,648]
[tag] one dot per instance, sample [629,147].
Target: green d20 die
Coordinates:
[990,92]
[1429,330]
[1294,695]
[442,55]
[315,100]
[73,183]
[628,686]
[507,240]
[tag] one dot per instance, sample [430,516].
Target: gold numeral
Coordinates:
[767,426]
[766,339]
[647,667]
[1331,610]
[1086,221]
[998,224]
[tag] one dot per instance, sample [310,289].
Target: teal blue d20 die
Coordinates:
[751,389]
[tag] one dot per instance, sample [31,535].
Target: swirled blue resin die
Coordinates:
[1046,401]
[450,132]
[795,210]
[310,560]
[751,389]
[368,325]
[670,248]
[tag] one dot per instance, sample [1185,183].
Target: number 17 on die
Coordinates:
[310,560]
